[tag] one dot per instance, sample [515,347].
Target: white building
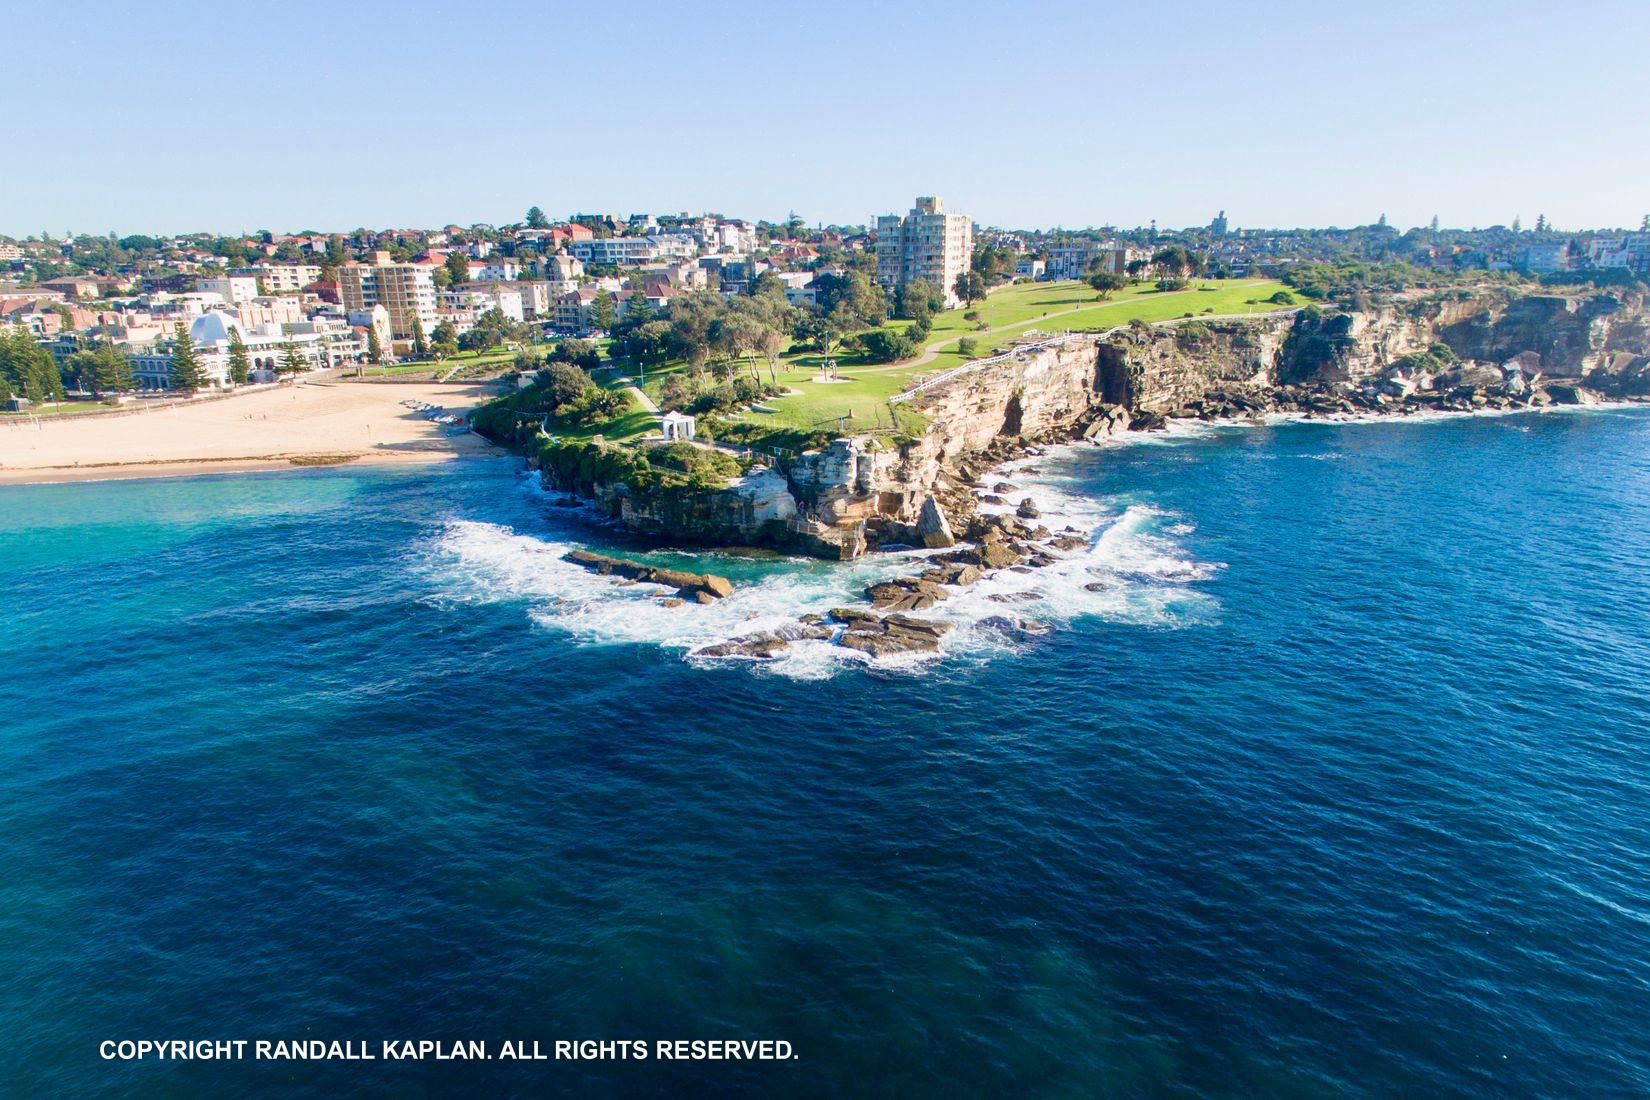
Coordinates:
[282,278]
[678,425]
[927,243]
[615,250]
[233,287]
[498,270]
[210,335]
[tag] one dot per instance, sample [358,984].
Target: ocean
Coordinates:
[1324,769]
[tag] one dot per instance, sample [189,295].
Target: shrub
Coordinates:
[968,347]
[887,346]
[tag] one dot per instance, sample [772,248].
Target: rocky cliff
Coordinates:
[1449,349]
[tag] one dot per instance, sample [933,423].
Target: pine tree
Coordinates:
[187,376]
[293,361]
[375,348]
[240,368]
[1644,226]
[114,369]
[1541,223]
[1435,223]
[28,367]
[420,346]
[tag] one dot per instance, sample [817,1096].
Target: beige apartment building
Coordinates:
[404,290]
[926,243]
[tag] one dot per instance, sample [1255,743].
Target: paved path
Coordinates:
[646,402]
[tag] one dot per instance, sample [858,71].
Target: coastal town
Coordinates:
[770,334]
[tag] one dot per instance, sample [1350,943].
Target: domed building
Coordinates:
[211,334]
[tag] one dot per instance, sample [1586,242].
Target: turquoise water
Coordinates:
[1333,783]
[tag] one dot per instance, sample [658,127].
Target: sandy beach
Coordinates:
[317,422]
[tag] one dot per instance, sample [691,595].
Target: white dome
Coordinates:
[210,328]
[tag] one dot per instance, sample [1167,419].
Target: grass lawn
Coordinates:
[860,402]
[633,423]
[70,408]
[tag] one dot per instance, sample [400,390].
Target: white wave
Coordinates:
[1130,569]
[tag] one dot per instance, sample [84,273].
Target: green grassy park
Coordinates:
[859,401]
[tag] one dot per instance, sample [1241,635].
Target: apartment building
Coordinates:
[282,278]
[405,290]
[927,243]
[615,250]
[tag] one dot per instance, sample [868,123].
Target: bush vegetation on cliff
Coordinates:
[646,471]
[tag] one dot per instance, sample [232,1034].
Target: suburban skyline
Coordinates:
[1094,118]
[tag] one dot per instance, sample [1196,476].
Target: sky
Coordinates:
[224,117]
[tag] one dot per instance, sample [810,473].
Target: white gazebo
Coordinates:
[677,426]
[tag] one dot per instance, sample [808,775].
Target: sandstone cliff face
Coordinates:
[862,492]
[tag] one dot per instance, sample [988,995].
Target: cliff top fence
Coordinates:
[1057,341]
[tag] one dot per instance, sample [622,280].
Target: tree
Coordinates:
[603,311]
[444,340]
[536,218]
[968,347]
[887,346]
[970,286]
[1541,225]
[1434,224]
[375,347]
[1106,283]
[28,368]
[240,369]
[457,266]
[918,298]
[420,346]
[292,362]
[103,368]
[187,375]
[562,383]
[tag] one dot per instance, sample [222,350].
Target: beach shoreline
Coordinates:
[305,426]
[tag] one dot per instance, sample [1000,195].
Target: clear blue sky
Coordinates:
[230,117]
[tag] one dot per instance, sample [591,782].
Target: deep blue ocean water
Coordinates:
[1338,785]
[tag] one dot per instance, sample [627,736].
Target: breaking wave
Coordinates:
[1131,569]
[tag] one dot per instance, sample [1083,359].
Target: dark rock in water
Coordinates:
[991,498]
[758,647]
[961,574]
[854,616]
[567,502]
[1069,542]
[1019,569]
[688,585]
[896,638]
[1014,597]
[1096,586]
[905,594]
[1003,487]
[811,617]
[720,587]
[671,601]
[930,627]
[1027,509]
[797,632]
[1566,394]
[1014,627]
